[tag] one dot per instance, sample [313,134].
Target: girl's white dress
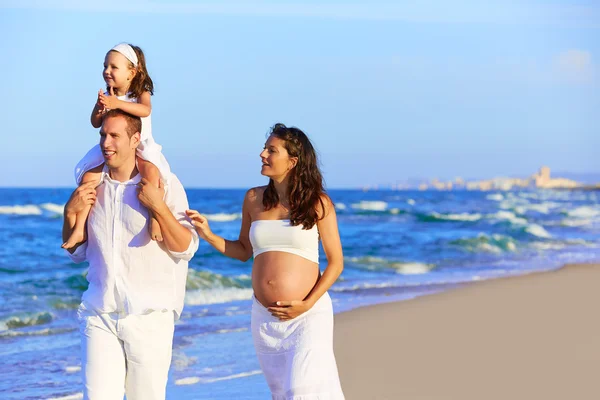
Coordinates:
[148,150]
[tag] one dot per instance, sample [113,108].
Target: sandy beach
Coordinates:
[529,337]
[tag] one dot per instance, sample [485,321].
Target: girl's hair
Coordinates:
[141,80]
[305,188]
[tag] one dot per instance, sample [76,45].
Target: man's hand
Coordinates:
[84,195]
[151,196]
[111,101]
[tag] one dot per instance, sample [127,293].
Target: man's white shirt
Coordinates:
[130,273]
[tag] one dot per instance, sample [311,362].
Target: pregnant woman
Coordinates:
[282,222]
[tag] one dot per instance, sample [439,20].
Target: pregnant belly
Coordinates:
[279,276]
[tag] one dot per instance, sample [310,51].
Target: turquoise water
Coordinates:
[397,245]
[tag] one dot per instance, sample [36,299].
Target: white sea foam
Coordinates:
[457,217]
[370,205]
[576,222]
[508,216]
[543,208]
[495,197]
[53,208]
[537,230]
[223,217]
[196,379]
[411,202]
[366,260]
[340,206]
[232,330]
[73,369]
[584,212]
[490,244]
[187,381]
[215,296]
[75,396]
[29,209]
[548,245]
[412,268]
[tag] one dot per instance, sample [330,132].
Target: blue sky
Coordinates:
[386,91]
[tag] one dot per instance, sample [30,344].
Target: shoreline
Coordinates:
[530,336]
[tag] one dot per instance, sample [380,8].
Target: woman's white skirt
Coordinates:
[296,356]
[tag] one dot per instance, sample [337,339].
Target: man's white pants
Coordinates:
[125,354]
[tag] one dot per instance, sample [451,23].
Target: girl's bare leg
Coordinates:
[151,173]
[79,233]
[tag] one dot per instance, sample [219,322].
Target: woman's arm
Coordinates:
[240,249]
[332,245]
[142,108]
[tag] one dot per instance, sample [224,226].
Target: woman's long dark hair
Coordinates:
[305,188]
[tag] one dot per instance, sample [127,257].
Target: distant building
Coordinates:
[541,179]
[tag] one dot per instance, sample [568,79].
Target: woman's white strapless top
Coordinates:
[279,235]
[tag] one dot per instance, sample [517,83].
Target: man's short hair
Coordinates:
[134,123]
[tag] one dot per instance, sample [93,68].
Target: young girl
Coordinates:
[129,88]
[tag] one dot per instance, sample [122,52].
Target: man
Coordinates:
[136,285]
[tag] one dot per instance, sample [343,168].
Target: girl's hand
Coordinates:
[111,101]
[286,310]
[99,106]
[200,223]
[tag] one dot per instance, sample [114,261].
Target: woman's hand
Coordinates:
[200,223]
[286,310]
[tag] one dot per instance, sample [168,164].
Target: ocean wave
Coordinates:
[54,208]
[509,216]
[542,208]
[537,230]
[366,259]
[484,243]
[495,197]
[577,222]
[379,263]
[74,396]
[340,206]
[210,280]
[29,209]
[520,224]
[370,205]
[437,217]
[223,217]
[584,212]
[217,296]
[196,379]
[410,202]
[412,268]
[39,332]
[28,319]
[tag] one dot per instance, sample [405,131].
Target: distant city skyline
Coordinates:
[387,92]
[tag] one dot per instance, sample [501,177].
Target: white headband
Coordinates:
[127,51]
